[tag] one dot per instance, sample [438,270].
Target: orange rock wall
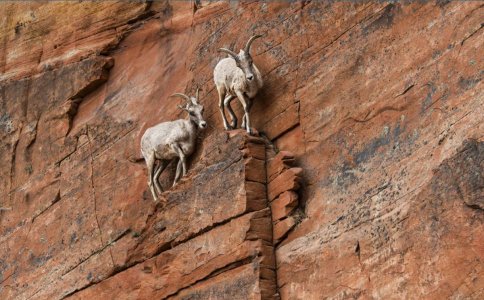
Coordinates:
[380,103]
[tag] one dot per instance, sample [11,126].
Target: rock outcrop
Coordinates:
[365,181]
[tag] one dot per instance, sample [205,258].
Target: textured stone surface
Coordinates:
[281,228]
[435,227]
[381,105]
[283,205]
[289,180]
[41,36]
[234,284]
[279,163]
[237,243]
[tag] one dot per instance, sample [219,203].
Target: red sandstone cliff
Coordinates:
[381,105]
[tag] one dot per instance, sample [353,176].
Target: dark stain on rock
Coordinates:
[442,3]
[392,142]
[385,20]
[372,148]
[79,219]
[18,27]
[347,175]
[397,131]
[428,99]
[168,10]
[471,82]
[39,261]
[73,238]
[3,267]
[436,54]
[111,96]
[6,123]
[238,288]
[461,176]
[358,67]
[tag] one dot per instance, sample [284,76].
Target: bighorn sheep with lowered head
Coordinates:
[169,140]
[238,77]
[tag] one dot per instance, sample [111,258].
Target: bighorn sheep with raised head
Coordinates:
[238,77]
[169,140]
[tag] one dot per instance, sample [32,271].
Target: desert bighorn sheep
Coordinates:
[169,140]
[239,77]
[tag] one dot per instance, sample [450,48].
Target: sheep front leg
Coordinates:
[221,96]
[244,101]
[150,162]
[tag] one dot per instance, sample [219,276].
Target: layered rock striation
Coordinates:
[366,180]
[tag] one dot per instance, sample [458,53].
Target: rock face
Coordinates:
[365,182]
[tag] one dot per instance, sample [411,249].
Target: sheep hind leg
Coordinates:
[227,101]
[150,163]
[182,163]
[221,96]
[178,172]
[161,168]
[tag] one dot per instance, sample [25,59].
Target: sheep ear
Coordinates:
[181,107]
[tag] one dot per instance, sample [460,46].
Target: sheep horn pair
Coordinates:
[188,99]
[246,49]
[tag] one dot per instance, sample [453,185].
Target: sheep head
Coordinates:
[193,108]
[244,59]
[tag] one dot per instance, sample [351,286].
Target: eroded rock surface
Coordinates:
[379,105]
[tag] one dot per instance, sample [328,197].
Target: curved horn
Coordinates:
[249,43]
[182,96]
[197,94]
[229,52]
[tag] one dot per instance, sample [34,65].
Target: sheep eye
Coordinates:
[191,113]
